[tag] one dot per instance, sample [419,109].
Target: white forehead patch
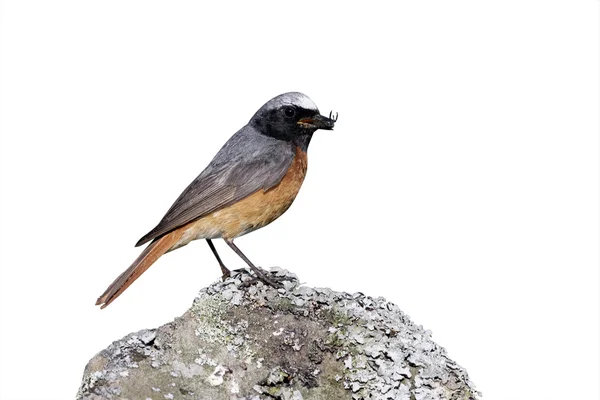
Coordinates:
[304,101]
[292,99]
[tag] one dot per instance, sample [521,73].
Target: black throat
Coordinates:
[303,141]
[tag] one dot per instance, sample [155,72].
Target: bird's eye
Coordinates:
[289,112]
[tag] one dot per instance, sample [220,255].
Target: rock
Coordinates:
[259,343]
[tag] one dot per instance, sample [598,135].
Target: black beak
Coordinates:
[318,122]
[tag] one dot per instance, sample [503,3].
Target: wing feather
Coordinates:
[247,163]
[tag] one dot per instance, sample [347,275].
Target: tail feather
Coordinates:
[150,254]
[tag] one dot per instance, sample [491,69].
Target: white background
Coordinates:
[461,181]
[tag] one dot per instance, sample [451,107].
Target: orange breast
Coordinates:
[251,213]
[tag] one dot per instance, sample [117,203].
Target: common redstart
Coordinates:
[252,180]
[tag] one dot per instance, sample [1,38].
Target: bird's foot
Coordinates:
[267,277]
[226,273]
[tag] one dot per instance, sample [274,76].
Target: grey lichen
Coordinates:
[259,343]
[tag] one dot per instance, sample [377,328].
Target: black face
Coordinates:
[291,123]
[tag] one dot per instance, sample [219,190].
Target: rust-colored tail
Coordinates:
[150,254]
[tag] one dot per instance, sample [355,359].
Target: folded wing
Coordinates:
[243,166]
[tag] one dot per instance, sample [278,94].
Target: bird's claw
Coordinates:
[266,278]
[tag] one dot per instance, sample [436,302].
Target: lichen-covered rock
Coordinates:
[256,342]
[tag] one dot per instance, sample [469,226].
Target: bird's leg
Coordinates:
[224,269]
[259,274]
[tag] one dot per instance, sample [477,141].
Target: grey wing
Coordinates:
[245,170]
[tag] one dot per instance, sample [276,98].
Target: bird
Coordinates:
[251,181]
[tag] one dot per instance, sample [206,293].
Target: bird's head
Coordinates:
[291,116]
